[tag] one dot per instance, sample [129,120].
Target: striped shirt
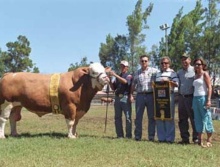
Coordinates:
[143,79]
[169,74]
[186,78]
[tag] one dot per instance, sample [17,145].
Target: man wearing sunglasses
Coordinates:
[185,112]
[166,127]
[142,84]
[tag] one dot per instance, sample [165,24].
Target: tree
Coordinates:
[175,40]
[107,53]
[197,33]
[83,63]
[16,59]
[155,57]
[36,69]
[2,66]
[185,35]
[120,47]
[114,50]
[136,23]
[211,35]
[127,47]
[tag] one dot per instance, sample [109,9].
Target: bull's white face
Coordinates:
[99,76]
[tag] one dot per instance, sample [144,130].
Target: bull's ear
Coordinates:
[78,73]
[85,70]
[108,69]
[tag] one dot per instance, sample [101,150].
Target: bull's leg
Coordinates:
[2,127]
[71,128]
[74,127]
[14,117]
[5,113]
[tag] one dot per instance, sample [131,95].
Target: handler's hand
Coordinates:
[131,98]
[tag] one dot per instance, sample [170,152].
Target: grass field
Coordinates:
[43,143]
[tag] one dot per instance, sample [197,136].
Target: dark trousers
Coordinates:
[185,112]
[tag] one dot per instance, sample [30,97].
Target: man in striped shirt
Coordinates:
[166,128]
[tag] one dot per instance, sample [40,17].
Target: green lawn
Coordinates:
[43,143]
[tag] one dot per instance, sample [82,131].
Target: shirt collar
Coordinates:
[168,70]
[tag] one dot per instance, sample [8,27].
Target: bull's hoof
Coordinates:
[2,137]
[72,136]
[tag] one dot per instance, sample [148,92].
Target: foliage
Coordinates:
[106,51]
[36,70]
[197,32]
[136,23]
[2,66]
[185,34]
[154,54]
[127,47]
[16,59]
[211,35]
[115,50]
[43,142]
[77,65]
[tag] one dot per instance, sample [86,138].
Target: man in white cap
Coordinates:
[121,85]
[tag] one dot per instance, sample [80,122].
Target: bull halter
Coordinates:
[97,78]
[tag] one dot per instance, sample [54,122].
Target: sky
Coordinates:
[62,32]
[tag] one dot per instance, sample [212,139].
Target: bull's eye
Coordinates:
[95,73]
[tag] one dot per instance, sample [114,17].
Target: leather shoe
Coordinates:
[195,141]
[184,142]
[137,139]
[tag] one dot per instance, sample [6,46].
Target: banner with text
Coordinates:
[162,108]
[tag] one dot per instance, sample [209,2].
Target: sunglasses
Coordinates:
[197,65]
[164,63]
[144,61]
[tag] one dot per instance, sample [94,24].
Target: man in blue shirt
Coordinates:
[186,77]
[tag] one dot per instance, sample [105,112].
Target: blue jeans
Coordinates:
[166,128]
[142,101]
[120,107]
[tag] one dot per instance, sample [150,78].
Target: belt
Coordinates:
[185,96]
[144,93]
[119,95]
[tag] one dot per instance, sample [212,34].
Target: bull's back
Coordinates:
[25,88]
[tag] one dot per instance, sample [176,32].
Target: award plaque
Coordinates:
[162,100]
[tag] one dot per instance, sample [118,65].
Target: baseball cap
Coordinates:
[125,63]
[185,55]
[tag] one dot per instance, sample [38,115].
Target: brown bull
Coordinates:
[67,93]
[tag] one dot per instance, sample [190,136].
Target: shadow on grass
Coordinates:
[52,135]
[57,135]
